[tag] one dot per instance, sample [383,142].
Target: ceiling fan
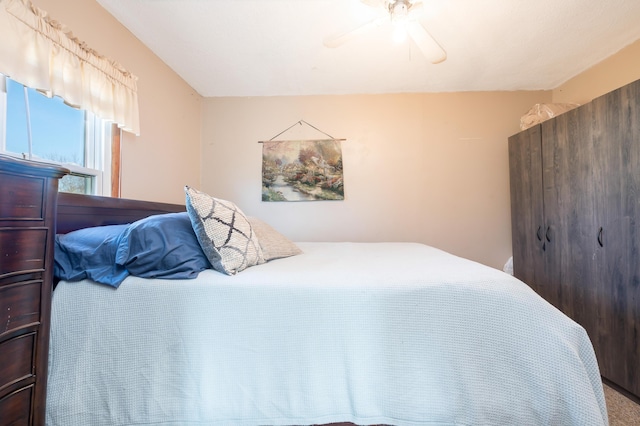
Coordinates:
[403,15]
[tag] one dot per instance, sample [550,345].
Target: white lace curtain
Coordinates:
[39,52]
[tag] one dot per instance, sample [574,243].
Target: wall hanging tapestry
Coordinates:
[302,170]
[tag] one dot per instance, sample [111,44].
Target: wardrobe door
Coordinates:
[617,130]
[527,220]
[567,209]
[571,178]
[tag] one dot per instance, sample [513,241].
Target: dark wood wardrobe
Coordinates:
[575,211]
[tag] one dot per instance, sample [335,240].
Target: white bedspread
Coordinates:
[371,333]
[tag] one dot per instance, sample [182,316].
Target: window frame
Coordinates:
[102,150]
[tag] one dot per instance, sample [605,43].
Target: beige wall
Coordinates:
[418,167]
[431,168]
[610,74]
[158,163]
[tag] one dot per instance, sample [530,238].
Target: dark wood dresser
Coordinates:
[28,195]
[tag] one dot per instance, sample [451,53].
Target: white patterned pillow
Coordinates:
[223,231]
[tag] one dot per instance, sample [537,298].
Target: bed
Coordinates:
[349,333]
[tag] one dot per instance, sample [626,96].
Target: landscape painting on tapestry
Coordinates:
[306,170]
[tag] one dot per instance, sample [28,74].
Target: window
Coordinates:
[35,126]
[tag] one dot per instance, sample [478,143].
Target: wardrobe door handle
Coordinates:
[600,237]
[538,233]
[547,234]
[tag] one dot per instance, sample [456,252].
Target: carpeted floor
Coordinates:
[622,411]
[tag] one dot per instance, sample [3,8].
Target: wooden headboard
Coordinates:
[77,211]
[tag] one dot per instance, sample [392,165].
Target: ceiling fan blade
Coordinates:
[427,44]
[417,7]
[340,39]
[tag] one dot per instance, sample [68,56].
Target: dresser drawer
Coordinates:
[22,250]
[16,407]
[18,356]
[21,197]
[19,305]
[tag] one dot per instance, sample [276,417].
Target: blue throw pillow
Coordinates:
[162,246]
[90,253]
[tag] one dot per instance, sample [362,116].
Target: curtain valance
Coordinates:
[39,52]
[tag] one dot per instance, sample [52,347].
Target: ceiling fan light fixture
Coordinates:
[398,9]
[404,27]
[399,12]
[399,34]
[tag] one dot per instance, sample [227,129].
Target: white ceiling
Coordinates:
[275,47]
